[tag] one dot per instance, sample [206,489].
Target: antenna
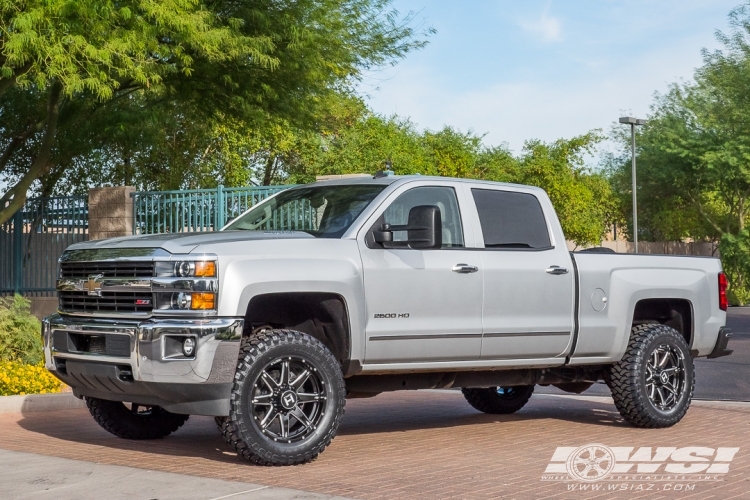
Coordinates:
[384,173]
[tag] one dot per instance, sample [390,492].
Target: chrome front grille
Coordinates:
[129,283]
[106,302]
[119,269]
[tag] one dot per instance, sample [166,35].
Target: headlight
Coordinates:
[203,300]
[186,269]
[202,269]
[193,301]
[181,300]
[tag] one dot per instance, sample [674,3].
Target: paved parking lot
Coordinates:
[426,444]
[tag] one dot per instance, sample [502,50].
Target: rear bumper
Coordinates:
[720,349]
[142,362]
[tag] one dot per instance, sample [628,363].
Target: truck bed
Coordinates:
[612,287]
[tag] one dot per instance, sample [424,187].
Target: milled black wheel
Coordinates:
[134,421]
[653,384]
[287,399]
[498,400]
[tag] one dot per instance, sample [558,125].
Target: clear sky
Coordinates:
[521,69]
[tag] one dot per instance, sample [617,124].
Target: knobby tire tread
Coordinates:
[487,400]
[115,418]
[251,349]
[624,379]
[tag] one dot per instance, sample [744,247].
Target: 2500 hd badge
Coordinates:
[390,315]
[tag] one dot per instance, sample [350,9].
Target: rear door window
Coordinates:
[511,220]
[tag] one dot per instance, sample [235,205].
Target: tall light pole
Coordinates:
[633,122]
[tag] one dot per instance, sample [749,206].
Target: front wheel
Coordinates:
[498,400]
[652,386]
[134,421]
[287,399]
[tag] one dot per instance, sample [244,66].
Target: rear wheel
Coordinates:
[134,421]
[287,399]
[652,385]
[498,400]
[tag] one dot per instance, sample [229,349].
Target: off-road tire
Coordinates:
[243,432]
[488,400]
[117,419]
[627,378]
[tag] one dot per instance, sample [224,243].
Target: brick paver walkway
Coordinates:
[426,444]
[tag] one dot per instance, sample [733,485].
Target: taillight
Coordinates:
[723,302]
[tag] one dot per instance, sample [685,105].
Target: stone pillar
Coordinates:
[110,212]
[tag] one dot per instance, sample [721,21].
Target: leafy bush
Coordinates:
[20,332]
[735,259]
[20,378]
[21,356]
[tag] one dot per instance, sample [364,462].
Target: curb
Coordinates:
[40,402]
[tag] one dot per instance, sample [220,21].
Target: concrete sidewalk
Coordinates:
[40,402]
[411,444]
[28,476]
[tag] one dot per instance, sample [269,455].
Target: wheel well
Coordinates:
[675,313]
[320,315]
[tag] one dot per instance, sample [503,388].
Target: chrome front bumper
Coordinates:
[136,361]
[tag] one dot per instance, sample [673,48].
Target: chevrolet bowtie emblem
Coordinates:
[93,285]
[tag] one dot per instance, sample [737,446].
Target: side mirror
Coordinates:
[424,230]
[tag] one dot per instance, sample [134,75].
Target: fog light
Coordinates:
[188,347]
[181,300]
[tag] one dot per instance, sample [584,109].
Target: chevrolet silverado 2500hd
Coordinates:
[353,287]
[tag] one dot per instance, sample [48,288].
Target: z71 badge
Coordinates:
[390,315]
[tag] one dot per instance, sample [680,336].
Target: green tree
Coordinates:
[694,157]
[105,86]
[359,141]
[582,197]
[55,54]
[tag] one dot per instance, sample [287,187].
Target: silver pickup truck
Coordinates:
[350,288]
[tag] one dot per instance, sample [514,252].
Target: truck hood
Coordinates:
[186,242]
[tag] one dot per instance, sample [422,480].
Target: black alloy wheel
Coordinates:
[287,399]
[653,384]
[665,377]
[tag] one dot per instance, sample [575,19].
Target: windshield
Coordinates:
[322,211]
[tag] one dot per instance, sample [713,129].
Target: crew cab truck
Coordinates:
[353,287]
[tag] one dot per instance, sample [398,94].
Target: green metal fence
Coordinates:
[195,209]
[35,237]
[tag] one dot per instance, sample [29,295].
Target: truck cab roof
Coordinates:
[403,179]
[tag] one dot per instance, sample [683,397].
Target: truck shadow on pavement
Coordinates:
[389,415]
